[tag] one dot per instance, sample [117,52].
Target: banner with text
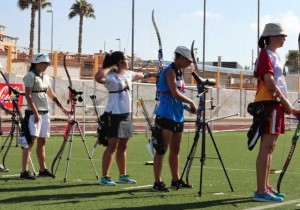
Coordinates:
[5,98]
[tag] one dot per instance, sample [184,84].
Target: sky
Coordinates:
[230,28]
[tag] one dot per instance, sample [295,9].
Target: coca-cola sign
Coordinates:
[5,98]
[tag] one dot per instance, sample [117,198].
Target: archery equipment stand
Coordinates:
[202,90]
[69,135]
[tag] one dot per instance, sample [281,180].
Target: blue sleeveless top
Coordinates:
[169,107]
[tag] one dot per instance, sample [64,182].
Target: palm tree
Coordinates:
[292,61]
[83,9]
[34,6]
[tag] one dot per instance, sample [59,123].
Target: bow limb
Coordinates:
[160,55]
[160,52]
[193,56]
[290,155]
[66,70]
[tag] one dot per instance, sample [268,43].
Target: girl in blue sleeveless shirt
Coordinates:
[169,117]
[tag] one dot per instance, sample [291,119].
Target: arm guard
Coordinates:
[56,101]
[147,75]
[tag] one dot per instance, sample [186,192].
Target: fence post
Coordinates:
[55,64]
[241,92]
[9,60]
[83,108]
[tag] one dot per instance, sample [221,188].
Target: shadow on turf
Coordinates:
[195,205]
[78,197]
[45,187]
[64,198]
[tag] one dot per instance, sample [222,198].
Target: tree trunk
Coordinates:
[32,26]
[80,34]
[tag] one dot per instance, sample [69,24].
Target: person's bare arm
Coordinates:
[171,80]
[100,76]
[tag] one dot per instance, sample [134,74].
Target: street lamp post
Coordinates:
[119,43]
[50,11]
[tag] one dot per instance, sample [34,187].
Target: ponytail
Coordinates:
[113,59]
[263,41]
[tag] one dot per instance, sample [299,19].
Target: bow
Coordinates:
[160,54]
[71,118]
[290,155]
[199,124]
[150,126]
[293,146]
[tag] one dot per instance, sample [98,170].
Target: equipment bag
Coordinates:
[260,118]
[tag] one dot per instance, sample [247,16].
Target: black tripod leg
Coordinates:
[71,135]
[219,156]
[8,139]
[202,159]
[87,150]
[57,158]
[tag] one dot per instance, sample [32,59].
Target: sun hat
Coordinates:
[40,58]
[184,51]
[273,29]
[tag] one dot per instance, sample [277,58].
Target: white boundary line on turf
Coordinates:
[137,187]
[10,175]
[285,203]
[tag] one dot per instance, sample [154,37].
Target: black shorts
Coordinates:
[168,124]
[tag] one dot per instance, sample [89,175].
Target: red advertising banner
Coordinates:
[5,97]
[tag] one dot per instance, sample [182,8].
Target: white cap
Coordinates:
[40,58]
[184,51]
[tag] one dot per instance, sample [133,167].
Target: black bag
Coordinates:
[102,130]
[157,140]
[260,118]
[25,136]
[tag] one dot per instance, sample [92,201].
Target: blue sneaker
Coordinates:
[274,192]
[266,196]
[106,181]
[126,179]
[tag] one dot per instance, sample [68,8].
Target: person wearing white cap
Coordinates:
[169,118]
[272,93]
[37,90]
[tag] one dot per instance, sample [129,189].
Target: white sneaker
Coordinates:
[2,169]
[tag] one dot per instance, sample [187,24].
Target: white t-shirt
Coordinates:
[278,72]
[119,103]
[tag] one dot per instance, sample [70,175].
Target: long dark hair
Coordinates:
[32,67]
[263,41]
[113,59]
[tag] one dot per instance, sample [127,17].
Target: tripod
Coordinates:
[201,126]
[69,134]
[15,128]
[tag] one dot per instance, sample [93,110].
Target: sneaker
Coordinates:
[2,169]
[266,196]
[106,181]
[160,187]
[274,192]
[27,175]
[180,184]
[126,179]
[45,173]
